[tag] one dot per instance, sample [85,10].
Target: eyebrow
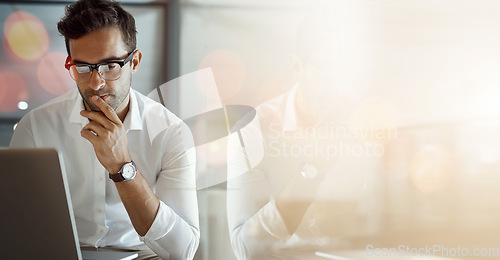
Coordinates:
[101,61]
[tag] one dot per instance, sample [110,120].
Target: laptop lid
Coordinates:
[37,219]
[37,216]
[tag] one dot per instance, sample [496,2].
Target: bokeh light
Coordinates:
[215,147]
[26,35]
[212,153]
[431,168]
[52,75]
[9,55]
[228,70]
[206,157]
[12,91]
[22,105]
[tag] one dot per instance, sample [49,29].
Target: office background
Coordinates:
[428,68]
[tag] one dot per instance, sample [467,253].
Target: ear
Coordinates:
[136,60]
[68,62]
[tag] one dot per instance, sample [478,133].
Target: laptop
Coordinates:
[37,219]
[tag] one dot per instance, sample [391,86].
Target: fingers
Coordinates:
[99,118]
[108,111]
[87,134]
[95,127]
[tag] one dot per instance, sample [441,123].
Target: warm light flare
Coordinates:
[26,35]
[228,70]
[431,168]
[12,91]
[52,75]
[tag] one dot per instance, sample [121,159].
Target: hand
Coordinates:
[106,133]
[322,152]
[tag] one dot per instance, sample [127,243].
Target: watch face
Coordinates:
[309,171]
[128,171]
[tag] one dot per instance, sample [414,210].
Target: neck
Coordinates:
[306,112]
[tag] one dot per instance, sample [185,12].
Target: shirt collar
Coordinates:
[132,120]
[75,116]
[290,115]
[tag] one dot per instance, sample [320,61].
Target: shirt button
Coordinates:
[101,179]
[99,210]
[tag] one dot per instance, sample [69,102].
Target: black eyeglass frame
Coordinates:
[96,66]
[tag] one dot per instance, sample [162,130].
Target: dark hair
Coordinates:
[86,16]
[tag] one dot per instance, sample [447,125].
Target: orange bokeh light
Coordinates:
[228,70]
[212,153]
[52,75]
[431,168]
[26,35]
[12,91]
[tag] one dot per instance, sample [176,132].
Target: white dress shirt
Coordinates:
[162,148]
[261,160]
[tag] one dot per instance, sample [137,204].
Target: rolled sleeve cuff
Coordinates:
[162,224]
[272,221]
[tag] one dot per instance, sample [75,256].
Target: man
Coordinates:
[104,128]
[294,187]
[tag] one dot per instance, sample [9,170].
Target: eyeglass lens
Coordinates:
[109,71]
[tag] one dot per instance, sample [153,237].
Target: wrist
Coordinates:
[119,163]
[117,167]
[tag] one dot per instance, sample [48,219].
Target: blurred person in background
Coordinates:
[294,181]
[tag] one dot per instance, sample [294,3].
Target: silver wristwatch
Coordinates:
[126,173]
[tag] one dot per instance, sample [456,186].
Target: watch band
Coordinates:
[117,177]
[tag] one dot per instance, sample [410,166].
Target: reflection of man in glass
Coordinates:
[148,203]
[288,192]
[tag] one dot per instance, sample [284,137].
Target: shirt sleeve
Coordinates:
[174,233]
[255,224]
[23,135]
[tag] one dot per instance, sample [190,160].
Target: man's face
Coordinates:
[97,47]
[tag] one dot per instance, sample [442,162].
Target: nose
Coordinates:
[96,81]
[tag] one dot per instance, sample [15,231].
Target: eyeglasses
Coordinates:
[111,70]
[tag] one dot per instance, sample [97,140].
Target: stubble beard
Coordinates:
[115,99]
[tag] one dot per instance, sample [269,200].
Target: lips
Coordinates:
[104,97]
